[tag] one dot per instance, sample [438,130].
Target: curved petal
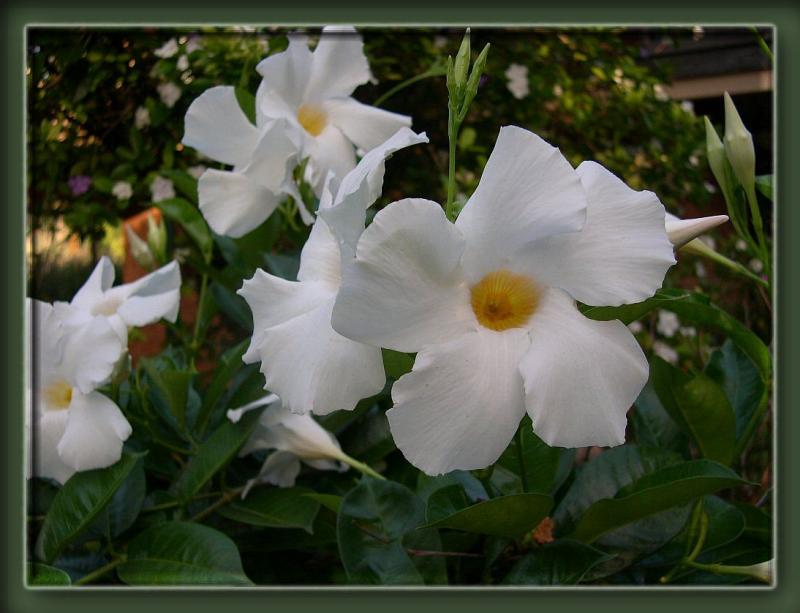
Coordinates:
[275,155]
[298,434]
[366,126]
[619,257]
[405,289]
[329,151]
[461,404]
[152,297]
[216,126]
[95,431]
[528,191]
[581,376]
[280,468]
[274,300]
[101,280]
[232,203]
[320,259]
[338,64]
[90,353]
[45,332]
[313,368]
[48,431]
[287,73]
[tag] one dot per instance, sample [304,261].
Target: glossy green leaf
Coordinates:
[540,461]
[510,516]
[182,553]
[124,507]
[247,102]
[701,408]
[191,220]
[228,364]
[232,305]
[563,562]
[764,185]
[43,575]
[652,424]
[274,507]
[173,385]
[329,501]
[78,504]
[397,364]
[214,454]
[655,492]
[757,523]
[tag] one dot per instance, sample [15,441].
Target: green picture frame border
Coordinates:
[786,597]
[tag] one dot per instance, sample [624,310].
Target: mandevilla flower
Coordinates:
[489,305]
[76,427]
[309,365]
[293,437]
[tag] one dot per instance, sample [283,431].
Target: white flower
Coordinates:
[309,365]
[660,92]
[196,171]
[182,63]
[168,49]
[665,352]
[122,190]
[75,427]
[517,76]
[740,245]
[140,303]
[688,107]
[489,305]
[141,118]
[169,93]
[668,323]
[162,189]
[688,331]
[685,232]
[293,437]
[635,326]
[756,265]
[193,44]
[700,270]
[312,91]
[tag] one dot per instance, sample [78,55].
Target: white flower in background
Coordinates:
[182,63]
[141,118]
[162,189]
[168,49]
[635,326]
[489,305]
[169,93]
[740,245]
[440,42]
[308,364]
[294,438]
[687,106]
[193,44]
[196,171]
[517,76]
[668,323]
[688,331]
[660,92]
[122,190]
[700,270]
[75,427]
[558,91]
[140,250]
[756,265]
[140,303]
[682,232]
[665,352]
[312,92]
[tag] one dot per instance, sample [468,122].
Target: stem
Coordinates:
[722,569]
[96,574]
[424,553]
[523,473]
[763,44]
[452,134]
[434,71]
[688,559]
[225,499]
[754,422]
[360,466]
[198,319]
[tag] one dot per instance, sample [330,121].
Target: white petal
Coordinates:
[528,191]
[320,259]
[95,431]
[153,297]
[313,368]
[287,73]
[45,333]
[619,257]
[366,126]
[298,434]
[101,279]
[461,404]
[681,231]
[234,415]
[48,432]
[280,468]
[216,126]
[329,151]
[275,155]
[338,65]
[581,376]
[274,300]
[405,288]
[90,353]
[232,203]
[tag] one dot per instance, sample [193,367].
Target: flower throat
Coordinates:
[503,300]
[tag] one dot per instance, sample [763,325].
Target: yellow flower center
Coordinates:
[312,118]
[503,300]
[58,395]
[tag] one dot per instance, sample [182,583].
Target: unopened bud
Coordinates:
[139,249]
[739,146]
[461,67]
[157,238]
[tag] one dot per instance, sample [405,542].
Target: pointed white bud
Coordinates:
[140,249]
[682,231]
[739,146]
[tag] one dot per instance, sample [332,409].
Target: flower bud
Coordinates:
[715,151]
[139,249]
[461,67]
[739,146]
[157,238]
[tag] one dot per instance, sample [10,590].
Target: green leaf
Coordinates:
[186,183]
[214,454]
[396,364]
[510,516]
[173,386]
[182,553]
[372,521]
[563,562]
[540,460]
[665,488]
[757,523]
[227,366]
[233,305]
[764,185]
[652,424]
[695,308]
[247,102]
[329,501]
[274,508]
[78,503]
[699,406]
[124,507]
[188,216]
[737,375]
[43,575]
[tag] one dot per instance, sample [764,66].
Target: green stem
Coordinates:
[434,71]
[721,569]
[198,319]
[523,473]
[359,466]
[452,135]
[96,574]
[763,44]
[225,499]
[697,516]
[753,423]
